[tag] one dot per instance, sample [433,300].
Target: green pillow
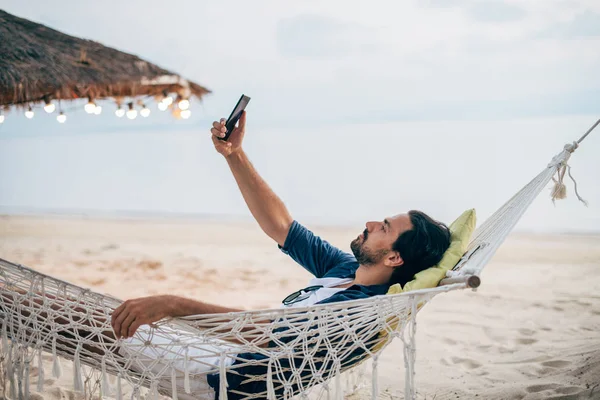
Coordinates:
[460,236]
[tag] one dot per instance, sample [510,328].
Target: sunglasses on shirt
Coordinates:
[300,295]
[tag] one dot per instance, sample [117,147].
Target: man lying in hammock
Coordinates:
[387,252]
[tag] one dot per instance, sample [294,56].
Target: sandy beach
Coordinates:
[531,331]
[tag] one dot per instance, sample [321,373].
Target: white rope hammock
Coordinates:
[270,354]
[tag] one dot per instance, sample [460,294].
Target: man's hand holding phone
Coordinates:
[226,136]
[234,142]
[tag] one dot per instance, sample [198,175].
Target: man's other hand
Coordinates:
[130,315]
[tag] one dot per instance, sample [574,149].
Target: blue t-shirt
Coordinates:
[324,260]
[321,259]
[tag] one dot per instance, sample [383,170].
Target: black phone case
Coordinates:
[234,117]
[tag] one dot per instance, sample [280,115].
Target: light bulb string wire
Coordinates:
[147,100]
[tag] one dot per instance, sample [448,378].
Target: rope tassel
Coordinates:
[339,393]
[270,387]
[77,381]
[135,395]
[575,184]
[26,378]
[10,370]
[40,385]
[186,378]
[154,390]
[105,386]
[559,191]
[56,367]
[375,383]
[222,379]
[19,369]
[119,394]
[173,384]
[4,337]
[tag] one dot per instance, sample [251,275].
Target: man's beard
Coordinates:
[363,254]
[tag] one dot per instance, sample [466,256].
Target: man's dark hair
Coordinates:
[421,247]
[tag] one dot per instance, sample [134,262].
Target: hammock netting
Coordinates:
[318,351]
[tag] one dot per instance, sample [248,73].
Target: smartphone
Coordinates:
[235,115]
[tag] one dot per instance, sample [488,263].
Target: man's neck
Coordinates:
[372,275]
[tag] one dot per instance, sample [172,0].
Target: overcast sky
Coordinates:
[383,70]
[431,59]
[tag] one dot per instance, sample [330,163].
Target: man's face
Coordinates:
[376,241]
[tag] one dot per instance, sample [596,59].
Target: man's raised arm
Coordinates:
[268,209]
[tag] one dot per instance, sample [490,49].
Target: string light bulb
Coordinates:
[29,113]
[185,114]
[165,102]
[120,112]
[145,111]
[131,113]
[49,107]
[90,106]
[61,117]
[184,104]
[1,117]
[97,110]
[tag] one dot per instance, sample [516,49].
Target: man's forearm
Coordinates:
[182,307]
[268,209]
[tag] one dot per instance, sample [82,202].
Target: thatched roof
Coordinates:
[36,61]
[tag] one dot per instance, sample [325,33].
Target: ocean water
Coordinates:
[330,173]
